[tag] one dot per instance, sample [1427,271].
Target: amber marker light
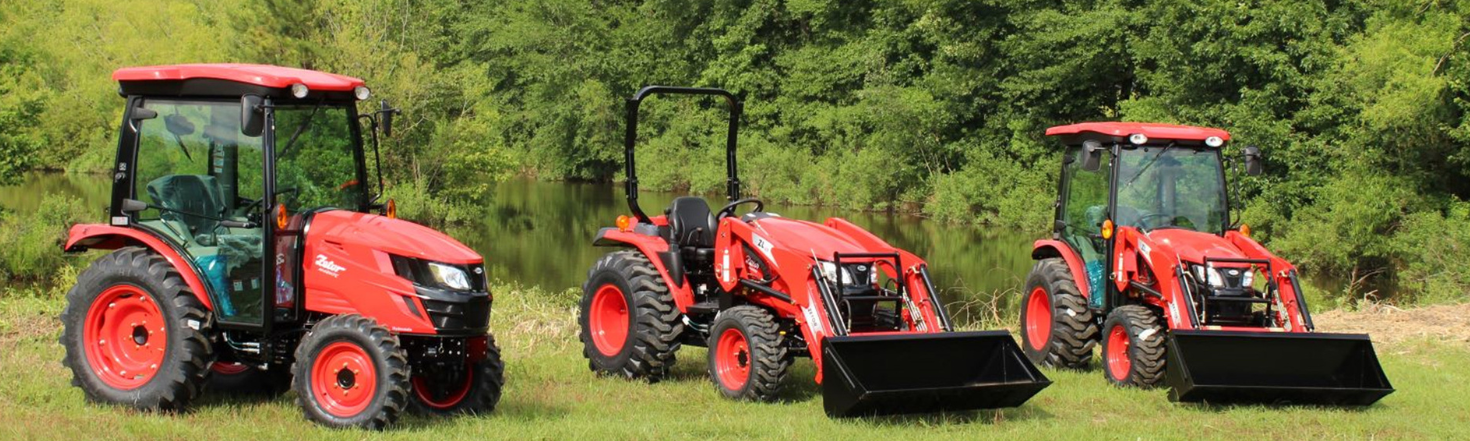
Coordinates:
[281,216]
[624,223]
[391,210]
[1245,230]
[1107,229]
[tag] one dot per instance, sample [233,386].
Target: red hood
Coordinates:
[807,238]
[392,236]
[1194,246]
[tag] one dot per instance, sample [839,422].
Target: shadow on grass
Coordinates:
[987,417]
[1218,408]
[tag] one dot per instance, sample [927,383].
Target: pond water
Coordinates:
[540,234]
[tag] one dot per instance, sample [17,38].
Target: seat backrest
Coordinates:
[198,194]
[691,222]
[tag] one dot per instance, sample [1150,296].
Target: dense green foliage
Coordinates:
[1361,106]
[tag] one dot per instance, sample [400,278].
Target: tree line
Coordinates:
[1362,107]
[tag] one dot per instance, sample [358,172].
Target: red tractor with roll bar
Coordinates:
[759,289]
[1144,258]
[262,264]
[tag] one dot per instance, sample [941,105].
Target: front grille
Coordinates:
[472,314]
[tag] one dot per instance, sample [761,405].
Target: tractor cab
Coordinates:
[1149,177]
[222,160]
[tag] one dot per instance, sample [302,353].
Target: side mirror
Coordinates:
[385,117]
[252,118]
[1091,155]
[133,206]
[1253,164]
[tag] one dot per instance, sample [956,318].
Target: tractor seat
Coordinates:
[197,194]
[690,223]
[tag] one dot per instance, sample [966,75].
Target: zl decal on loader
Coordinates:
[248,256]
[758,289]
[1144,259]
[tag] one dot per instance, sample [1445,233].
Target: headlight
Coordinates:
[830,270]
[1209,275]
[851,273]
[449,276]
[1248,279]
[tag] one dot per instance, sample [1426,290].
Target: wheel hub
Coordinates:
[1119,365]
[1038,318]
[343,379]
[732,359]
[118,337]
[609,320]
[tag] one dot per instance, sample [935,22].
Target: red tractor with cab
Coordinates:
[1144,258]
[248,256]
[759,289]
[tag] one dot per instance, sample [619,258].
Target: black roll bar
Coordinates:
[732,182]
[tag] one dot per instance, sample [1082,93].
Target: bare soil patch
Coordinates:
[1390,325]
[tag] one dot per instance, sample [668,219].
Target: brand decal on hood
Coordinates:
[327,266]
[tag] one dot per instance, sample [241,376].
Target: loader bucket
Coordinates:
[1279,368]
[912,373]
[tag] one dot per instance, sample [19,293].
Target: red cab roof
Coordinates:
[1151,130]
[255,74]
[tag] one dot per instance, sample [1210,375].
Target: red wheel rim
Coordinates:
[1117,354]
[421,388]
[609,320]
[228,368]
[125,337]
[732,359]
[1038,318]
[343,379]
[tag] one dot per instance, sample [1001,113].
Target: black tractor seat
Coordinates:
[692,228]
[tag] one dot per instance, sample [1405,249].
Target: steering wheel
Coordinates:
[256,202]
[729,209]
[1141,219]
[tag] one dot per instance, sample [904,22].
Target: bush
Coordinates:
[1431,249]
[32,241]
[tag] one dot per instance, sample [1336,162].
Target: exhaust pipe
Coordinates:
[868,375]
[1274,368]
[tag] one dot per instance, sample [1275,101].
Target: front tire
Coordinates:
[747,355]
[630,324]
[478,391]
[135,334]
[351,372]
[1133,347]
[1057,328]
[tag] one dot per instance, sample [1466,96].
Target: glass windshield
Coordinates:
[1171,187]
[319,168]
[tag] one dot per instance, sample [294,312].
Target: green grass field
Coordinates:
[551,395]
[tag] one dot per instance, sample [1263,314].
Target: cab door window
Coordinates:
[196,170]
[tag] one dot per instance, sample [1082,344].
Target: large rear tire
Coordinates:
[135,334]
[747,356]
[630,324]
[476,391]
[351,372]
[1057,328]
[1133,347]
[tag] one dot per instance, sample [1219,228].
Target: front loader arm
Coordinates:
[1284,277]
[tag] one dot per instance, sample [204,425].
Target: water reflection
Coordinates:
[540,233]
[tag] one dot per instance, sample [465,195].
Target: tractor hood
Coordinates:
[808,238]
[393,236]
[1194,246]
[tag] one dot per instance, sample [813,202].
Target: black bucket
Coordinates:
[1274,368]
[915,373]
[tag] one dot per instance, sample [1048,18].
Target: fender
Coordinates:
[82,237]
[1051,247]
[650,246]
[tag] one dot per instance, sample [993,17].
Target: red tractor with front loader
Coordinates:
[759,289]
[248,255]
[1144,259]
